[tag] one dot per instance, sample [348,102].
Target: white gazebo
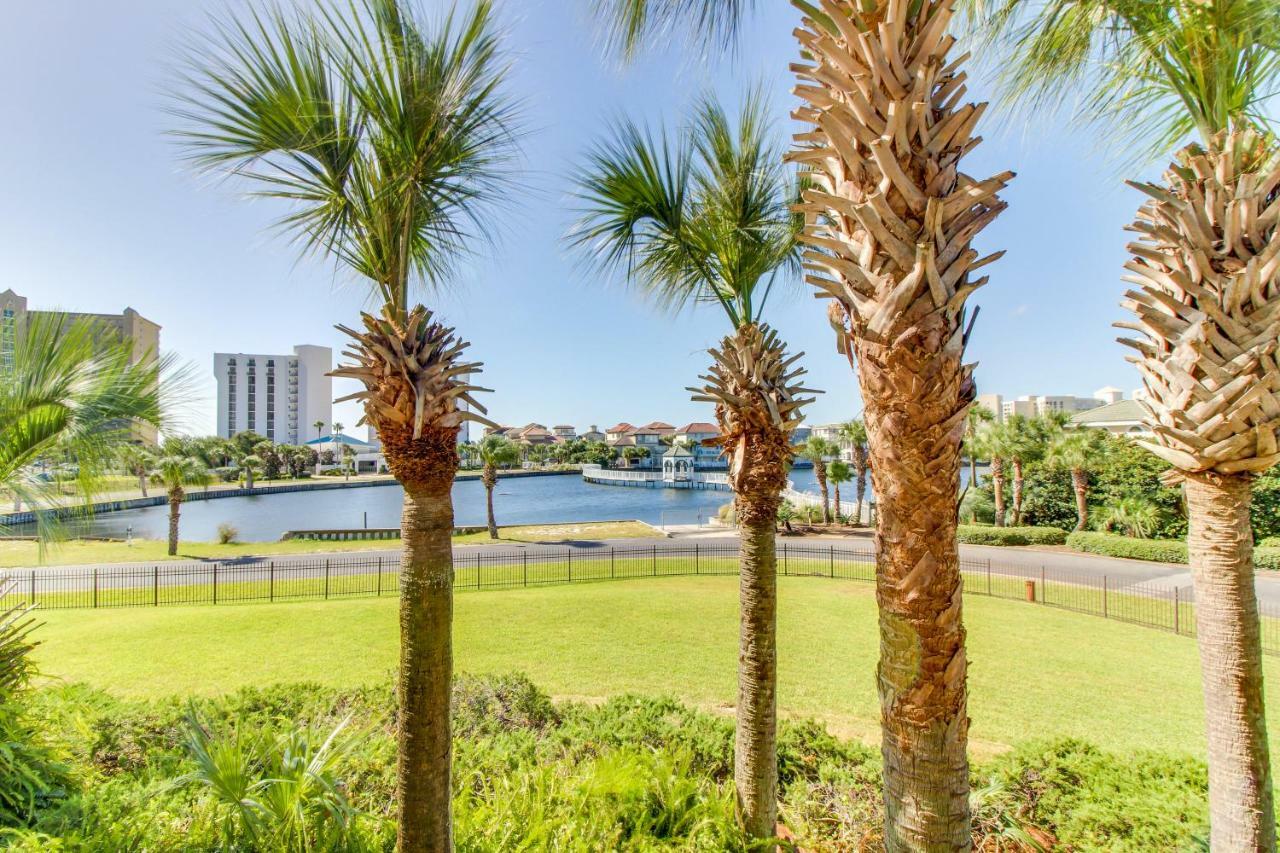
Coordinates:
[677,464]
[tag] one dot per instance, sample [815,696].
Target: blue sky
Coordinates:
[97,212]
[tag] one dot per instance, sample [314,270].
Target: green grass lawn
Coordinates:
[1034,672]
[79,551]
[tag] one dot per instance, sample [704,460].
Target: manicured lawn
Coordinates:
[75,552]
[1035,672]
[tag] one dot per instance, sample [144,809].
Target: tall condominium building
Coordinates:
[142,335]
[1035,405]
[280,397]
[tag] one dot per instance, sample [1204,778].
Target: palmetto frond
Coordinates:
[386,143]
[631,25]
[703,216]
[1153,72]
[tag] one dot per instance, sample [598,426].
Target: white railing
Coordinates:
[599,473]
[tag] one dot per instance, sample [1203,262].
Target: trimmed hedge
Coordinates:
[1265,556]
[979,534]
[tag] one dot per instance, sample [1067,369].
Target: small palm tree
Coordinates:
[704,218]
[818,450]
[138,461]
[176,468]
[319,425]
[495,451]
[854,434]
[1134,515]
[1191,77]
[839,472]
[348,461]
[974,447]
[1078,451]
[70,391]
[250,464]
[388,136]
[1000,443]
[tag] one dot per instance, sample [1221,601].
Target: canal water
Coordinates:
[517,500]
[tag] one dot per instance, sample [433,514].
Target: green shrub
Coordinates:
[1115,545]
[977,534]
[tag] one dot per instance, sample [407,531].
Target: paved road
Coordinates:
[1018,562]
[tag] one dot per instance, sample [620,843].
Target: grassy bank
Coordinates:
[78,551]
[1035,673]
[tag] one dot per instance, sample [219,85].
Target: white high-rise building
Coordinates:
[280,397]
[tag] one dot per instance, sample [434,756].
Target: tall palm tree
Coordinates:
[175,468]
[1077,451]
[889,221]
[1000,444]
[495,451]
[1156,76]
[1023,442]
[817,450]
[138,460]
[319,425]
[854,433]
[704,218]
[978,417]
[70,392]
[388,136]
[839,472]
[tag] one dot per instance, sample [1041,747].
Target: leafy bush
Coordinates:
[1115,545]
[978,506]
[227,533]
[1265,509]
[1132,515]
[976,534]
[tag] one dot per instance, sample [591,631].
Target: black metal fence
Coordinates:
[1169,608]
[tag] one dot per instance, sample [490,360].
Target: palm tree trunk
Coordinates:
[142,482]
[248,477]
[1017,492]
[490,479]
[997,488]
[426,468]
[1080,483]
[755,752]
[175,507]
[1220,547]
[820,471]
[837,507]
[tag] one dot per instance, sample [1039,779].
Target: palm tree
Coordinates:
[319,425]
[1135,515]
[978,417]
[388,136]
[1077,451]
[854,434]
[704,218]
[495,451]
[70,391]
[137,459]
[1000,443]
[839,472]
[1159,75]
[348,461]
[889,220]
[816,449]
[1024,442]
[175,468]
[249,464]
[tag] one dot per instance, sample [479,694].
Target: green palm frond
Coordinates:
[702,215]
[1151,72]
[387,138]
[630,26]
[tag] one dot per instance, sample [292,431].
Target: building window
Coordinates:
[8,337]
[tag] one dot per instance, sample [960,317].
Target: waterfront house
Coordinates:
[593,435]
[564,432]
[616,433]
[693,435]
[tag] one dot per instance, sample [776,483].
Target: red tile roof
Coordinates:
[622,427]
[699,427]
[659,425]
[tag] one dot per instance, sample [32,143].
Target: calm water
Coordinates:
[527,500]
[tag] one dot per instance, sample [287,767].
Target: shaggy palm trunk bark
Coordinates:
[820,472]
[758,408]
[175,508]
[1220,547]
[426,468]
[1080,484]
[997,488]
[1017,492]
[837,503]
[889,219]
[489,476]
[861,495]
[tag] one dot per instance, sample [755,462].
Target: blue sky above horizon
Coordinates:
[99,213]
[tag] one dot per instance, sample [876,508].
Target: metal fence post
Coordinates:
[988,576]
[1104,597]
[655,561]
[696,569]
[215,583]
[95,586]
[1043,591]
[524,560]
[379,575]
[326,578]
[1176,608]
[784,559]
[831,568]
[271,580]
[612,571]
[33,586]
[155,586]
[569,557]
[477,570]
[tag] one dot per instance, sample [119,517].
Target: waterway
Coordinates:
[517,500]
